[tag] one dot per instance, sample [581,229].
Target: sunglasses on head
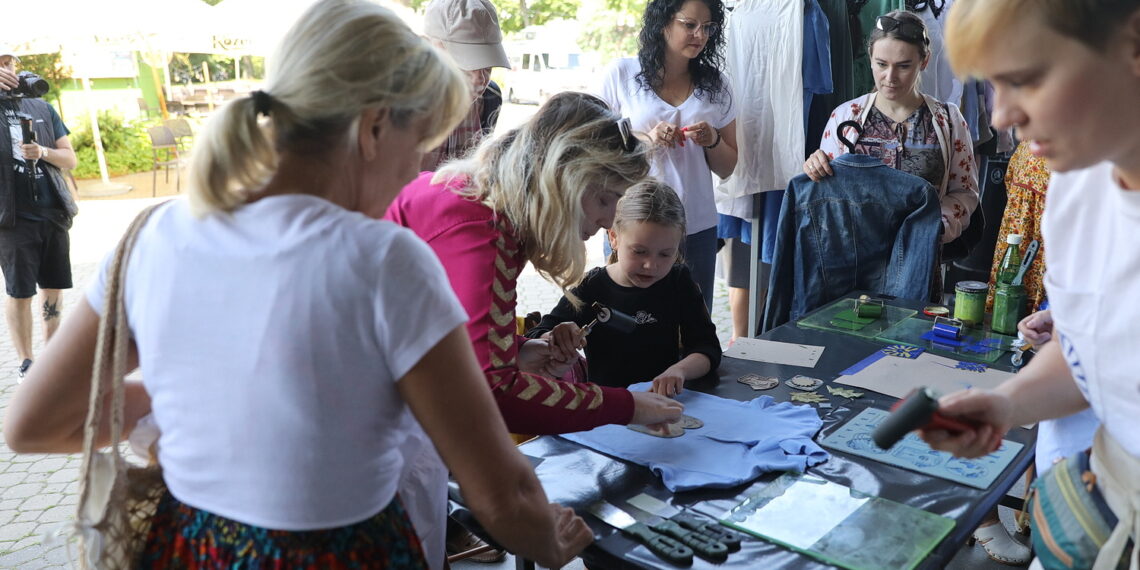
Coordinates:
[906,30]
[625,131]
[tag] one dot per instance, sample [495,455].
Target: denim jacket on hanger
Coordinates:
[868,227]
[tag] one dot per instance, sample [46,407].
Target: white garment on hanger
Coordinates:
[765,68]
[938,80]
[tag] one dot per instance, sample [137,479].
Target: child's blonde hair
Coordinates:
[340,58]
[537,174]
[650,201]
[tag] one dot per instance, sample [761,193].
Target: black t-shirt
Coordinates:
[42,195]
[672,323]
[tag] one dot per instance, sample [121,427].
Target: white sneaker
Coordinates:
[23,370]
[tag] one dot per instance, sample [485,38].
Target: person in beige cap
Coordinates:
[468,30]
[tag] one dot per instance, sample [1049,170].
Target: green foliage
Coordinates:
[126,146]
[514,16]
[611,28]
[48,66]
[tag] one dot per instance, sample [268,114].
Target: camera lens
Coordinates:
[32,85]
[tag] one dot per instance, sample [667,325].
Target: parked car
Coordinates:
[535,76]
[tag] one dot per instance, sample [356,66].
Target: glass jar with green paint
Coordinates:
[970,302]
[1009,305]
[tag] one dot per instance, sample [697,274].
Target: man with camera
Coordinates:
[36,205]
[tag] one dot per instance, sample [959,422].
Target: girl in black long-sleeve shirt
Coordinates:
[674,340]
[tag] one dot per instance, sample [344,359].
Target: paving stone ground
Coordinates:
[38,492]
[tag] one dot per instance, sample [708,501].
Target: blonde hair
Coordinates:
[653,202]
[536,176]
[340,58]
[974,24]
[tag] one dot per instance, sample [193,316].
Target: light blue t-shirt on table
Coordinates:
[739,442]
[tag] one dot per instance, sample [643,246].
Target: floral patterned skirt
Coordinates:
[1026,181]
[182,536]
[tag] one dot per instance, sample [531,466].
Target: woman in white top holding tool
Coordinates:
[1067,75]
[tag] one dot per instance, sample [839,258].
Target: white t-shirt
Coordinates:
[1092,228]
[270,342]
[684,168]
[764,52]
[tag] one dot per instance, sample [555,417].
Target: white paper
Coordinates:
[896,376]
[787,353]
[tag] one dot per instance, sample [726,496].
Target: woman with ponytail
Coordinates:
[279,327]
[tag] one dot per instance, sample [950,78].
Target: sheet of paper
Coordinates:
[896,376]
[786,353]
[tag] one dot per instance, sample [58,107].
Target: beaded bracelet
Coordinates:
[716,142]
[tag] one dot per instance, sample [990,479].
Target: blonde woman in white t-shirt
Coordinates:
[1067,75]
[674,91]
[287,337]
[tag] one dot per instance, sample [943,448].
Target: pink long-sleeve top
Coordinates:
[483,259]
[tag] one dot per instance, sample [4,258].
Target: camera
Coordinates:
[29,85]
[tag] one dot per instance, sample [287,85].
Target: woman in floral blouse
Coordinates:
[908,130]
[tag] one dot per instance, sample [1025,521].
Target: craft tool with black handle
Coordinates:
[666,547]
[918,410]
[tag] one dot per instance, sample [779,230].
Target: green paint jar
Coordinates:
[1009,300]
[970,302]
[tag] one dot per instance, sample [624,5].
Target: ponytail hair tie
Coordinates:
[262,102]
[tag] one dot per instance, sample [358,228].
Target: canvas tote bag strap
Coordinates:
[110,362]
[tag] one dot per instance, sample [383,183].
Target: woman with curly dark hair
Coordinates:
[674,91]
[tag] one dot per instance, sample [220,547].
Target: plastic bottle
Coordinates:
[1011,262]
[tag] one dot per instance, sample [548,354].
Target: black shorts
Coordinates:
[35,253]
[736,256]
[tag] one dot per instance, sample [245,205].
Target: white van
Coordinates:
[546,60]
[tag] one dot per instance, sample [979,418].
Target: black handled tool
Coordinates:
[26,124]
[918,410]
[710,529]
[668,548]
[610,317]
[702,544]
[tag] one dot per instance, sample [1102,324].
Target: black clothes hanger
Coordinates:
[842,139]
[917,6]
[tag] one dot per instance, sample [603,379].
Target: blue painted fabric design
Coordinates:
[972,366]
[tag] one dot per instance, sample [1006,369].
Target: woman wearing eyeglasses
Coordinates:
[904,128]
[674,91]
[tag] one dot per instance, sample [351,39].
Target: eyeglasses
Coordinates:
[906,30]
[692,26]
[625,131]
